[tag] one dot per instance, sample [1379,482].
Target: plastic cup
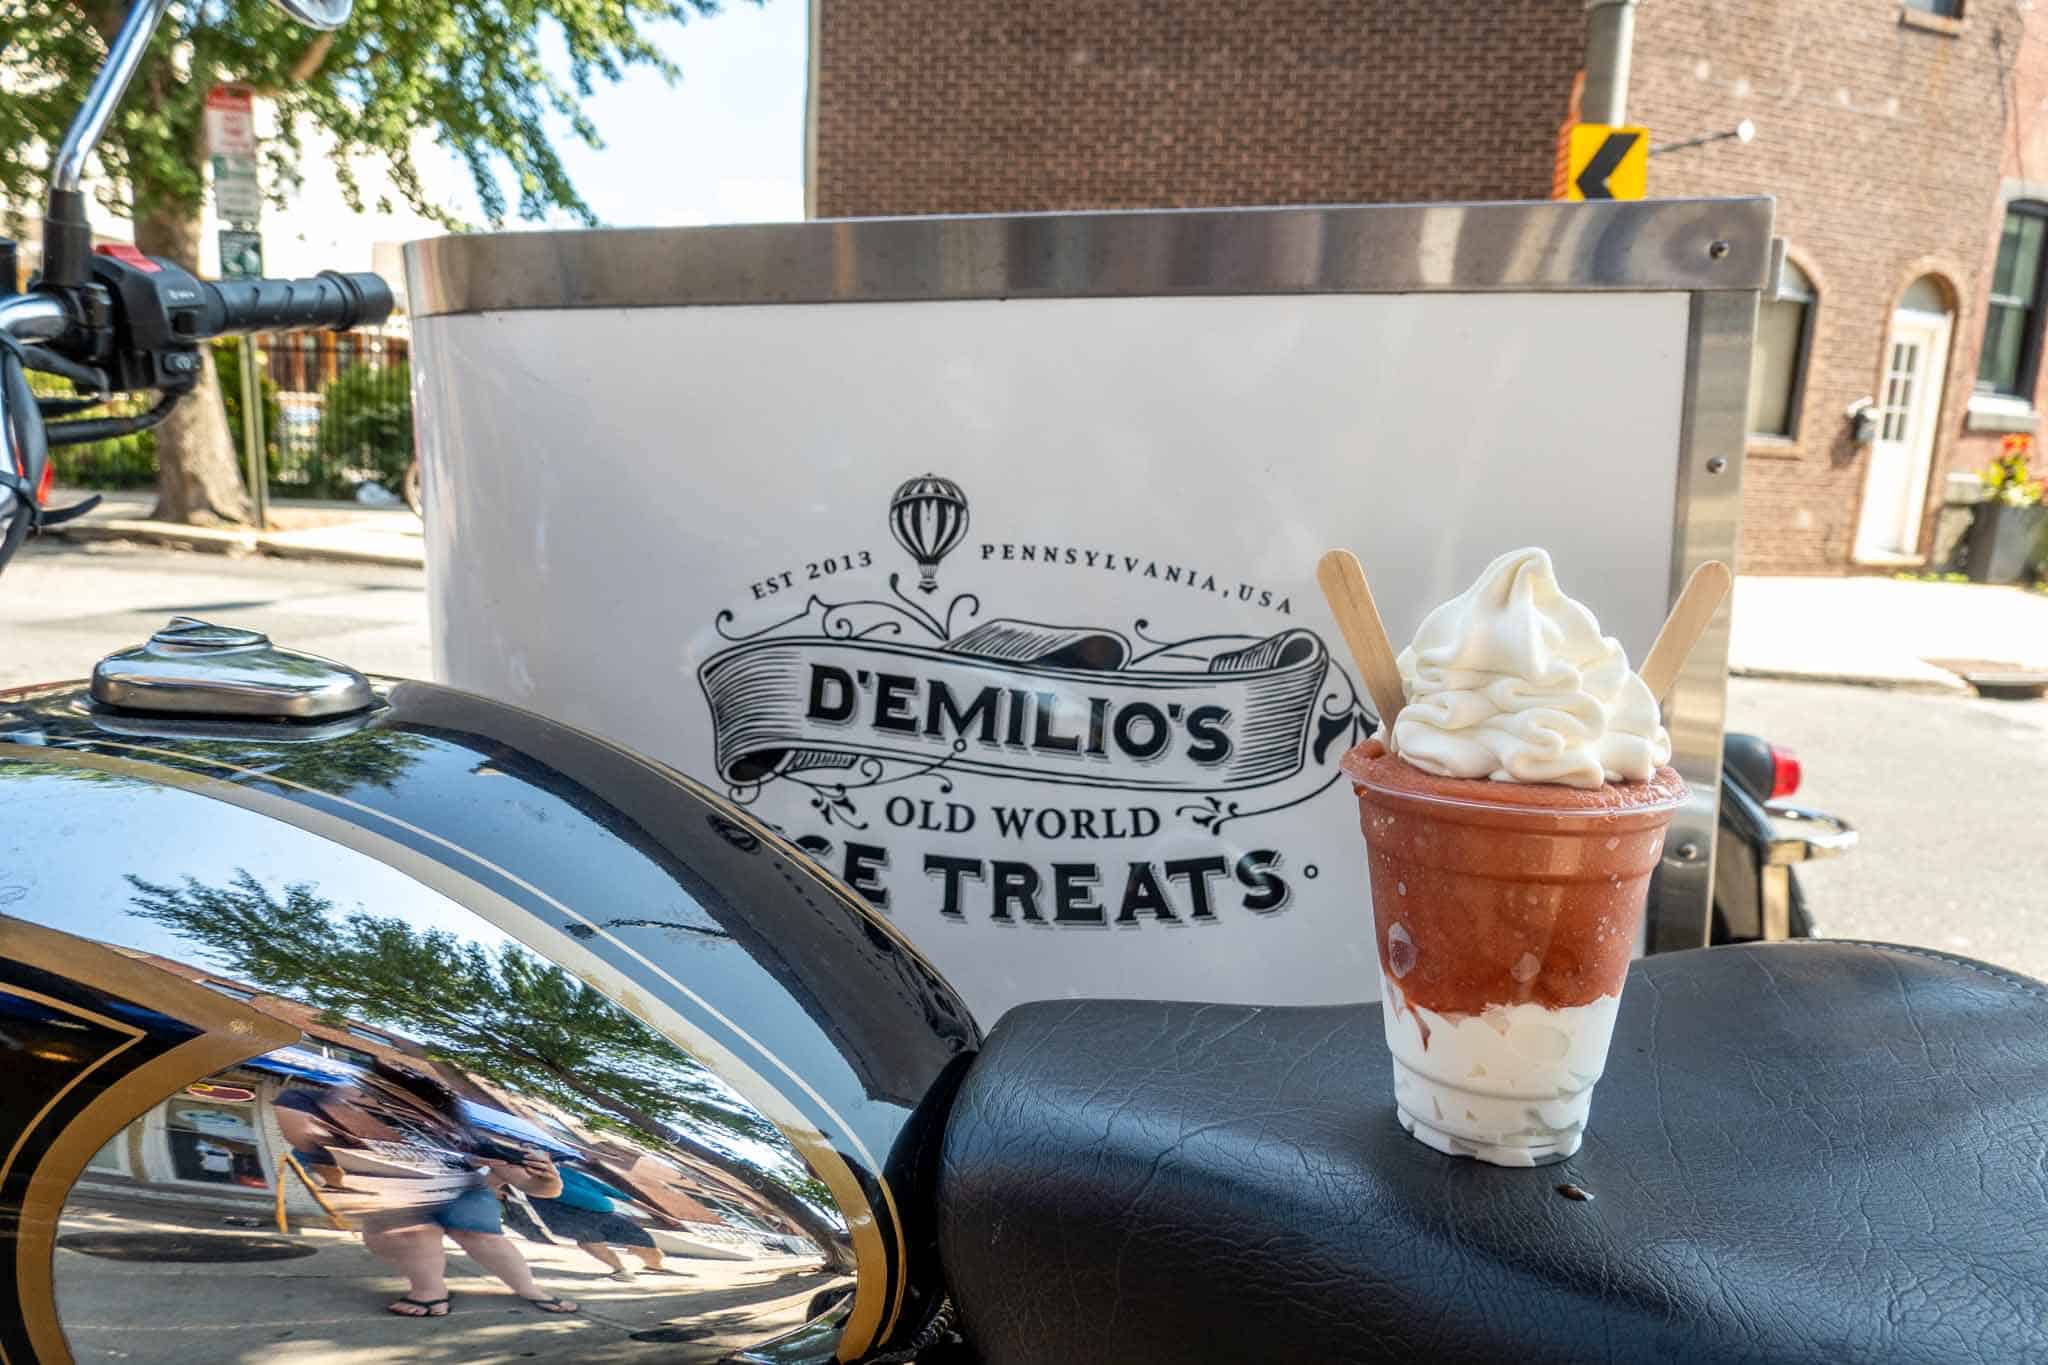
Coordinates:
[1506,915]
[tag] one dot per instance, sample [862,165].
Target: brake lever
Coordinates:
[90,378]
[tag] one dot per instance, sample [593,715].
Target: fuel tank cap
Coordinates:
[195,668]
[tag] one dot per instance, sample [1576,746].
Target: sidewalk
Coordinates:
[339,532]
[1881,632]
[1884,632]
[322,1302]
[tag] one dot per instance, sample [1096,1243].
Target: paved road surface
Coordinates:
[1950,793]
[1950,796]
[62,606]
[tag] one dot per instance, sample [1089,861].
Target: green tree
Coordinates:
[366,422]
[502,1013]
[467,74]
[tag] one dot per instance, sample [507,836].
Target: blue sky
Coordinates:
[723,145]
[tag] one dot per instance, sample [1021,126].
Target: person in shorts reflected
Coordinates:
[585,1212]
[398,1162]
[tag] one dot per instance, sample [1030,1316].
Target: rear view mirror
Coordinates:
[321,14]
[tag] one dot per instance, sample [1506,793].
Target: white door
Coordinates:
[1895,491]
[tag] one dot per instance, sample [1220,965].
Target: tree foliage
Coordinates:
[468,74]
[501,1013]
[472,76]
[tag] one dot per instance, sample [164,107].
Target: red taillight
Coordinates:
[43,484]
[1784,772]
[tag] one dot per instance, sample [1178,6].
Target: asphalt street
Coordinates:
[1949,793]
[64,605]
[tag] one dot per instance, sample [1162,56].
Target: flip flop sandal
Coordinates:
[554,1306]
[426,1307]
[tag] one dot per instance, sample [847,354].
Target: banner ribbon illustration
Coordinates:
[1020,699]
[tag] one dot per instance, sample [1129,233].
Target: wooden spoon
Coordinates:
[1695,607]
[1343,582]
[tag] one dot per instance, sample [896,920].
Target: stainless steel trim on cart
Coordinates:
[1709,526]
[1650,245]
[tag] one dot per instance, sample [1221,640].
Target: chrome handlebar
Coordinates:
[34,317]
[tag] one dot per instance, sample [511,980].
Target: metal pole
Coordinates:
[252,436]
[1610,37]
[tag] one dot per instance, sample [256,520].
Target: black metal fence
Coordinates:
[337,413]
[343,413]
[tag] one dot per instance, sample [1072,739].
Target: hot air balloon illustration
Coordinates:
[928,517]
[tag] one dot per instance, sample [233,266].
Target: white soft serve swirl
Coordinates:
[1512,680]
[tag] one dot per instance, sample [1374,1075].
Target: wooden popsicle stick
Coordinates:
[1682,629]
[1343,582]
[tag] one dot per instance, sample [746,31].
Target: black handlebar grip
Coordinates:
[328,300]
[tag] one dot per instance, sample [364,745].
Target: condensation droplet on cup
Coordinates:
[1401,887]
[1613,844]
[1401,952]
[1525,968]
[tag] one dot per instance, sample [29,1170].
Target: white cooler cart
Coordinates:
[976,554]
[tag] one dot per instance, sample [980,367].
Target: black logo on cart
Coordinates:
[889,705]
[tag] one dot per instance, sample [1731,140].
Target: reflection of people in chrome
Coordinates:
[407,1171]
[583,1213]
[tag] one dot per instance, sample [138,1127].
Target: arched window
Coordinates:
[1777,367]
[2012,325]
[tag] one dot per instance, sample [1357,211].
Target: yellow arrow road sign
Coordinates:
[1607,162]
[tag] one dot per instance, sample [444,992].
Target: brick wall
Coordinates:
[981,106]
[1881,142]
[1884,141]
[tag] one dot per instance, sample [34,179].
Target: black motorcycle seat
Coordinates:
[1803,1152]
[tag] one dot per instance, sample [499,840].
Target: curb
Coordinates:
[340,554]
[214,540]
[1892,682]
[206,539]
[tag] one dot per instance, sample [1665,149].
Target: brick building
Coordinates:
[1894,134]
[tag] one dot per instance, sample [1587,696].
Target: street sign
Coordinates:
[230,121]
[241,254]
[1607,162]
[231,144]
[237,194]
